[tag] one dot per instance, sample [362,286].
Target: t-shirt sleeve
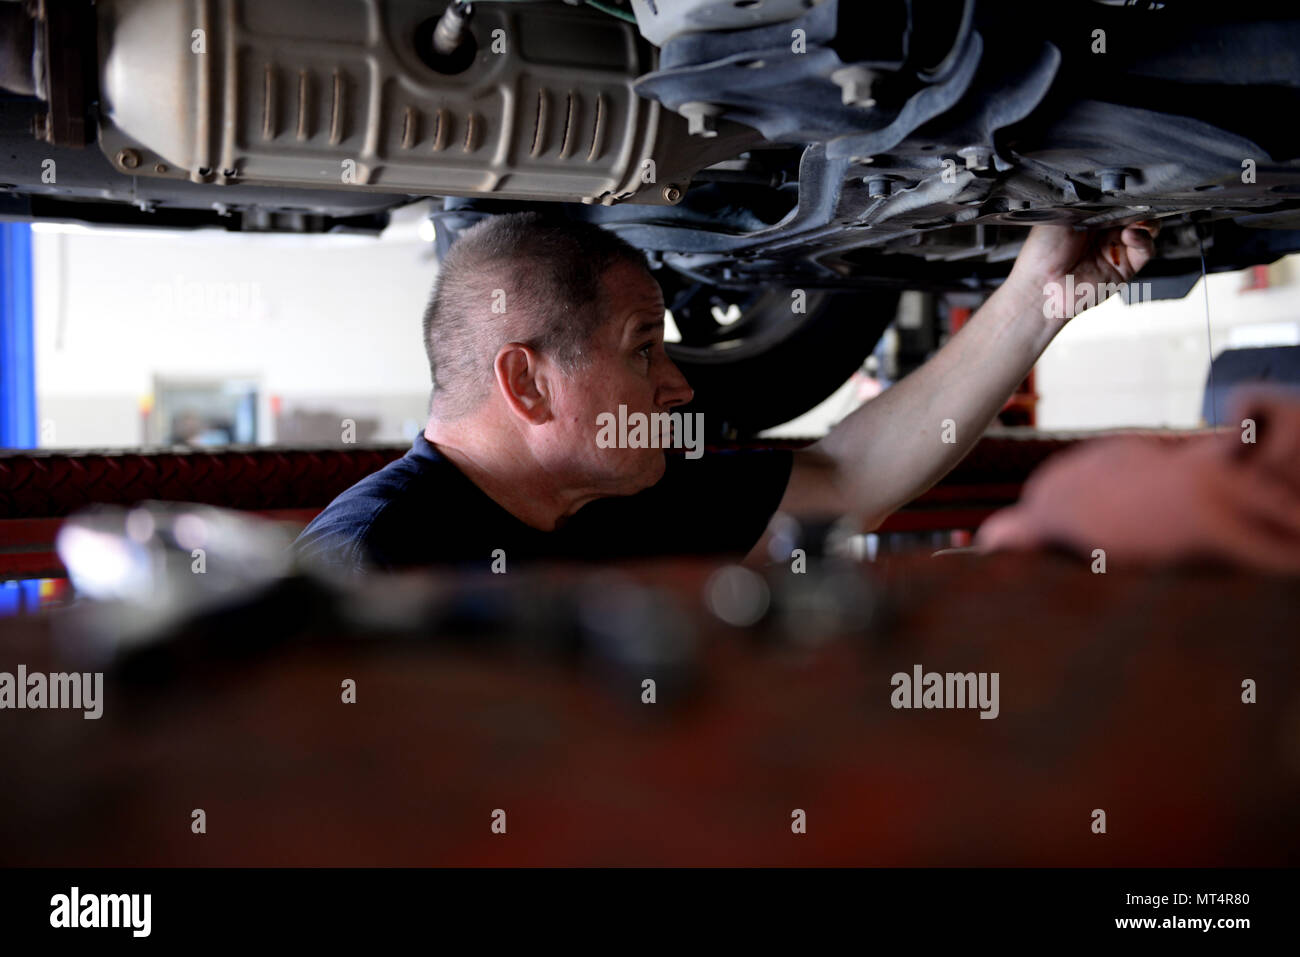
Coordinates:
[719,503]
[335,538]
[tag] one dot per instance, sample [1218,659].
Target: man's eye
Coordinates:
[645,349]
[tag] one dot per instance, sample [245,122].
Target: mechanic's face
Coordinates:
[628,367]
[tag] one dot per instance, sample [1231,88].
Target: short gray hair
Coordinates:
[544,276]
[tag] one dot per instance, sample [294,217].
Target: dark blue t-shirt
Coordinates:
[422,510]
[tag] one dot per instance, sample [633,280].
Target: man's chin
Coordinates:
[650,472]
[658,468]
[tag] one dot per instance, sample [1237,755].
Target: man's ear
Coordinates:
[523,383]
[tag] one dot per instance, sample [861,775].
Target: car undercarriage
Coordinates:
[847,149]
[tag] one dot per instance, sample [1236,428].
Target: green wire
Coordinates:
[612,11]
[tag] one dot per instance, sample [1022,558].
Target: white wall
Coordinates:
[1146,364]
[321,321]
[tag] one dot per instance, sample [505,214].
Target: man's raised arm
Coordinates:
[904,440]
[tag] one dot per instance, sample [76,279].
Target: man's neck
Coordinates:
[510,480]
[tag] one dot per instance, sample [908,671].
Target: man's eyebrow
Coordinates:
[647,325]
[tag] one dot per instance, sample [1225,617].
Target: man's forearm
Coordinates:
[901,442]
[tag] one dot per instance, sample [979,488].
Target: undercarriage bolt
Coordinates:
[672,195]
[878,188]
[855,83]
[977,157]
[700,117]
[1113,181]
[452,27]
[128,158]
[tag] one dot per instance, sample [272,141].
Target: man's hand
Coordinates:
[1097,258]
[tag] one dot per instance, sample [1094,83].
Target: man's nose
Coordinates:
[675,390]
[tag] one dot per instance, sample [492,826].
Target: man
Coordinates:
[539,329]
